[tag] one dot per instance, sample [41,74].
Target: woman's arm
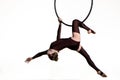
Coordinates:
[59,29]
[39,54]
[36,56]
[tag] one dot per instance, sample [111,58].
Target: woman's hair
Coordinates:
[53,56]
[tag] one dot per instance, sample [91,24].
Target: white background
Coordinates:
[29,26]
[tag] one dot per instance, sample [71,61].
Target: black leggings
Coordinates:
[87,57]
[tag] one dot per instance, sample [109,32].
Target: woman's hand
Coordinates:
[60,20]
[28,59]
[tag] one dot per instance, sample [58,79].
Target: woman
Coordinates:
[72,43]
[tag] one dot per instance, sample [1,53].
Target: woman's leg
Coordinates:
[90,62]
[87,57]
[75,30]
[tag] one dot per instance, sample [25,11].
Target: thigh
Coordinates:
[74,45]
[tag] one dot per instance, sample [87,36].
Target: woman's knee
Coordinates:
[76,21]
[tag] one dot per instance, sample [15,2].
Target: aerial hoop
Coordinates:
[82,20]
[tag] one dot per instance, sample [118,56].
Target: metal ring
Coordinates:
[83,19]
